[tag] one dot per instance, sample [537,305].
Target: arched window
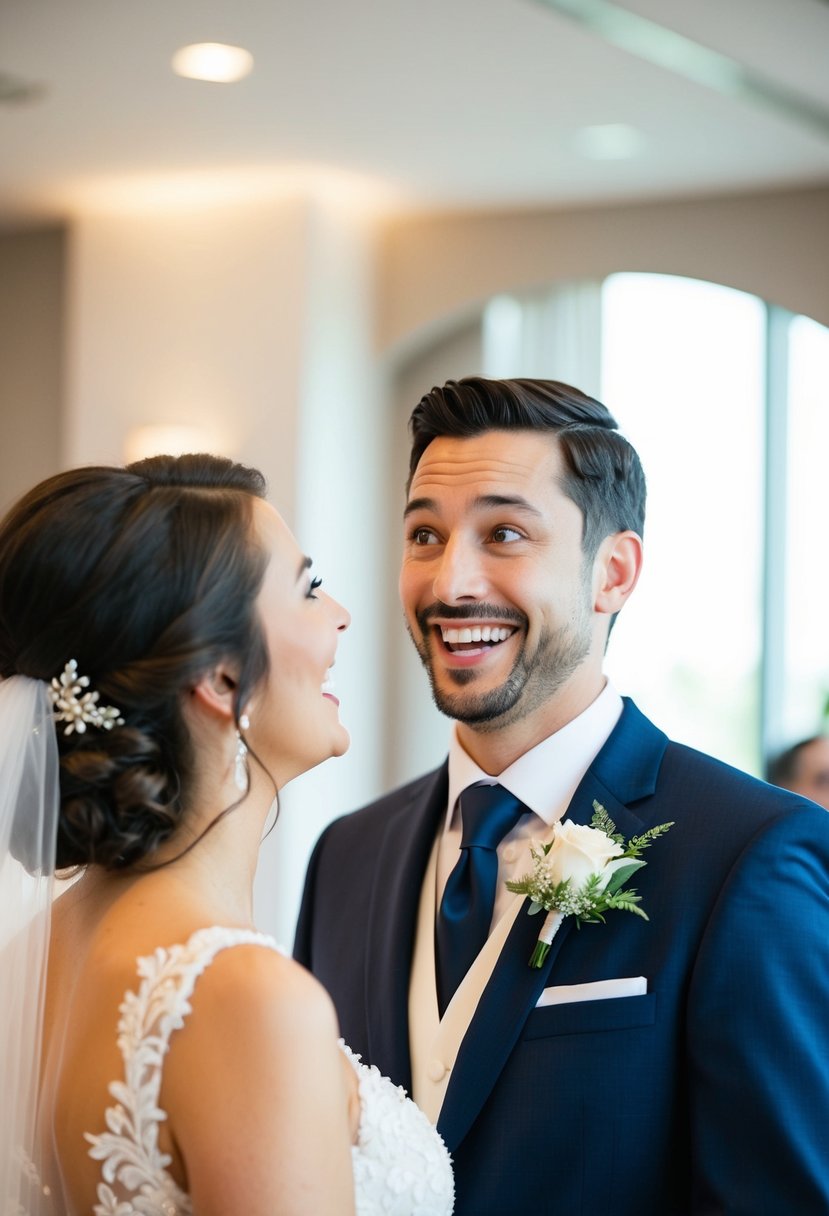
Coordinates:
[726,398]
[682,369]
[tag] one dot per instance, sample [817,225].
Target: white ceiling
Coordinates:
[432,103]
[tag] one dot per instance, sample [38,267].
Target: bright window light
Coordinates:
[683,374]
[806,683]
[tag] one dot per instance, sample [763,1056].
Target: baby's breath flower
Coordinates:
[581,872]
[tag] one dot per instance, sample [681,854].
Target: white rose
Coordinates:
[579,852]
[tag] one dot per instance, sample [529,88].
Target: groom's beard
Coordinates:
[534,678]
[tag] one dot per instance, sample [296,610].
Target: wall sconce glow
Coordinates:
[214,61]
[609,141]
[246,186]
[166,439]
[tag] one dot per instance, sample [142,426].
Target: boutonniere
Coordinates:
[581,872]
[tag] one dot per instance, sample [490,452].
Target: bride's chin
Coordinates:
[344,744]
[285,772]
[339,746]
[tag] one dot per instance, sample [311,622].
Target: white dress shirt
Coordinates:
[544,779]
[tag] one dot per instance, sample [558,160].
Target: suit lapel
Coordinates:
[625,771]
[398,877]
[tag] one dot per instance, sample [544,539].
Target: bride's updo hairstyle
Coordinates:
[147,576]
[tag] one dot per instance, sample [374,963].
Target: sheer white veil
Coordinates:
[29,804]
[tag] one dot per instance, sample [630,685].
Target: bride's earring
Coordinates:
[240,773]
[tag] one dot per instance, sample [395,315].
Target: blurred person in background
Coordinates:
[803,768]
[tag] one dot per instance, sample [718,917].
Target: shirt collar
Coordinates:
[546,777]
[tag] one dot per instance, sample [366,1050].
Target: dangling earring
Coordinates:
[240,772]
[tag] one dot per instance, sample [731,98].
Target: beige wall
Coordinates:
[432,271]
[775,245]
[253,320]
[304,335]
[31,358]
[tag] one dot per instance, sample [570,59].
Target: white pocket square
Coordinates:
[600,990]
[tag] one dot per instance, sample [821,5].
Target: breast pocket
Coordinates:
[591,1017]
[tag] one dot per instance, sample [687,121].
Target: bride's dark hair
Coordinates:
[147,576]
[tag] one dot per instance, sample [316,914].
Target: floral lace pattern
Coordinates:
[132,1161]
[401,1165]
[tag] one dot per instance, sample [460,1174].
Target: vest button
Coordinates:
[437,1070]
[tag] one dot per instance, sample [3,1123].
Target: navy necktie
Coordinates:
[488,813]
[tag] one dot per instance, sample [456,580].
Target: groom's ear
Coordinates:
[616,570]
[215,692]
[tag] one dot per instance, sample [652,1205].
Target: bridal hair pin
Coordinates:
[78,708]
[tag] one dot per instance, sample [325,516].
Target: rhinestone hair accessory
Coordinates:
[78,708]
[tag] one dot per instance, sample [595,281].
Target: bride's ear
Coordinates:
[215,693]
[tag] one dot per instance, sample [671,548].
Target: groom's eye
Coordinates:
[423,536]
[505,534]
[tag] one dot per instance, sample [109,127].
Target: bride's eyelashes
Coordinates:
[312,587]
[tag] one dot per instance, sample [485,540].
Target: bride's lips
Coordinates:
[328,687]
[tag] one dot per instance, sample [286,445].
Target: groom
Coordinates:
[678,1064]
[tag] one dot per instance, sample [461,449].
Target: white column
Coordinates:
[252,322]
[342,519]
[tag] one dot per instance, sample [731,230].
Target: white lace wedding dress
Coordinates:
[401,1166]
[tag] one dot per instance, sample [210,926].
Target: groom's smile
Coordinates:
[467,644]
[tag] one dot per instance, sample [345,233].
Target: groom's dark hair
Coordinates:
[603,475]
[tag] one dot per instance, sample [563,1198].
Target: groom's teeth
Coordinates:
[484,633]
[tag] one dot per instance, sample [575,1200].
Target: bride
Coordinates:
[164,671]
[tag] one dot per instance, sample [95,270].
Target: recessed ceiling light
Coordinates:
[609,141]
[214,61]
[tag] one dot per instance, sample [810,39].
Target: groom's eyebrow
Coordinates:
[419,504]
[482,502]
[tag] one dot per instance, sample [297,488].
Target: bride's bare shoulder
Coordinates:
[252,981]
[258,1071]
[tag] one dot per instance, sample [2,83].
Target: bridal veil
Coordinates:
[29,804]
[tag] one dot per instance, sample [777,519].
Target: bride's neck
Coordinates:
[213,883]
[209,863]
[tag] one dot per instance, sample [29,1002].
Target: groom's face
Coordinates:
[494,583]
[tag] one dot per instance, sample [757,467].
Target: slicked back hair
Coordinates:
[602,472]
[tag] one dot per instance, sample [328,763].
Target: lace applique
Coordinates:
[401,1165]
[132,1161]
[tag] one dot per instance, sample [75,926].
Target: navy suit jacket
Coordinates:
[708,1094]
